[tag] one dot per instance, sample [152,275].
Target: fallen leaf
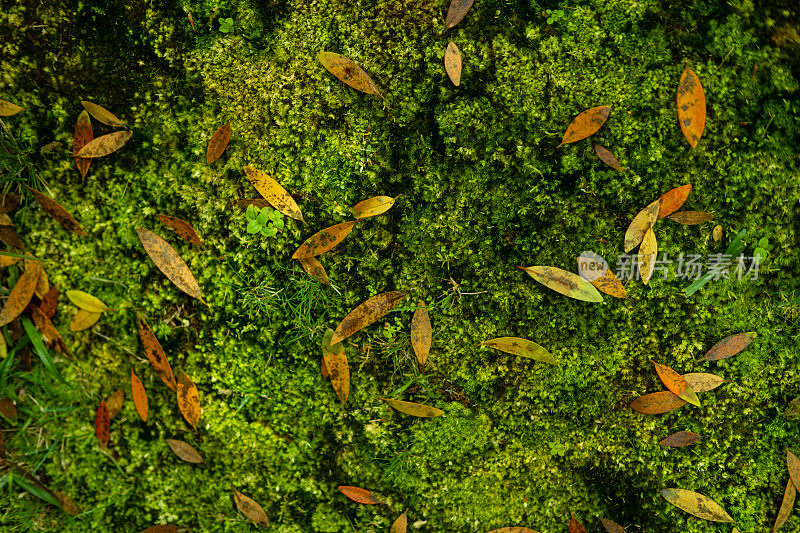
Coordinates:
[574,525]
[610,284]
[642,222]
[7,408]
[7,260]
[607,157]
[335,362]
[49,332]
[168,528]
[105,144]
[366,313]
[248,507]
[324,240]
[611,526]
[101,423]
[102,114]
[359,495]
[155,353]
[274,193]
[66,503]
[691,107]
[324,369]
[513,529]
[170,263]
[256,202]
[83,320]
[585,124]
[452,63]
[696,504]
[218,143]
[185,451]
[703,382]
[564,282]
[691,218]
[83,135]
[413,409]
[348,72]
[673,199]
[680,439]
[787,504]
[114,403]
[5,220]
[9,202]
[730,346]
[315,269]
[182,228]
[8,109]
[84,300]
[139,396]
[457,11]
[400,525]
[21,294]
[421,334]
[42,285]
[3,347]
[188,399]
[60,214]
[10,237]
[521,347]
[793,464]
[676,384]
[657,403]
[376,205]
[717,233]
[648,253]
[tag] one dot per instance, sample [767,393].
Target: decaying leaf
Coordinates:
[155,353]
[376,205]
[564,282]
[274,193]
[730,346]
[84,300]
[610,284]
[574,525]
[184,450]
[101,424]
[21,294]
[218,143]
[585,124]
[703,382]
[521,347]
[9,202]
[248,507]
[716,234]
[611,526]
[691,218]
[182,228]
[114,403]
[66,503]
[676,384]
[49,332]
[648,252]
[324,369]
[170,263]
[83,135]
[348,72]
[139,396]
[400,525]
[10,237]
[642,222]
[607,157]
[324,240]
[696,504]
[55,210]
[188,399]
[421,333]
[335,363]
[366,313]
[691,107]
[680,439]
[359,495]
[102,114]
[43,285]
[105,144]
[793,464]
[457,11]
[166,528]
[657,403]
[314,268]
[8,109]
[3,348]
[83,320]
[452,63]
[673,199]
[513,529]
[7,260]
[787,504]
[7,408]
[413,409]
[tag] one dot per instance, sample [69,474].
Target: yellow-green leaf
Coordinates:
[642,222]
[521,347]
[7,109]
[648,253]
[413,409]
[564,282]
[86,301]
[102,114]
[83,319]
[696,504]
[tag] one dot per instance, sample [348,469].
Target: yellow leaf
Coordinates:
[104,145]
[86,301]
[421,333]
[696,504]
[102,114]
[274,193]
[348,71]
[324,240]
[413,409]
[83,319]
[642,222]
[373,206]
[521,347]
[648,253]
[564,282]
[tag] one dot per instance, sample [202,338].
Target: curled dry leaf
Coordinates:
[8,109]
[139,396]
[248,507]
[452,63]
[717,233]
[49,332]
[315,269]
[155,353]
[680,439]
[421,333]
[83,135]
[521,347]
[170,263]
[184,230]
[105,144]
[21,294]
[691,107]
[102,114]
[101,424]
[348,72]
[366,313]
[83,320]
[457,11]
[376,205]
[87,302]
[324,240]
[114,403]
[334,361]
[648,253]
[274,193]
[696,504]
[413,409]
[218,143]
[359,495]
[673,199]
[642,222]
[400,525]
[793,464]
[585,124]
[607,157]
[691,218]
[564,282]
[611,526]
[55,210]
[610,284]
[574,525]
[730,346]
[676,384]
[188,399]
[787,504]
[184,450]
[703,382]
[10,237]
[657,403]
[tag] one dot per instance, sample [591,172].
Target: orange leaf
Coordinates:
[83,135]
[359,495]
[673,199]
[691,107]
[22,293]
[513,529]
[457,11]
[585,124]
[574,525]
[607,157]
[60,214]
[366,313]
[7,408]
[101,423]
[452,63]
[218,143]
[676,384]
[155,353]
[188,399]
[182,228]
[139,396]
[324,240]
[730,346]
[421,335]
[8,109]
[657,403]
[400,525]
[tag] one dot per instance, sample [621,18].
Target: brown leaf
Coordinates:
[335,362]
[673,199]
[611,526]
[60,214]
[248,507]
[564,282]
[324,369]
[716,234]
[139,396]
[185,451]
[315,269]
[691,107]
[5,220]
[21,294]
[218,143]
[274,193]
[102,114]
[703,382]
[49,332]
[163,529]
[83,320]
[787,504]
[421,334]
[366,313]
[359,495]
[188,399]
[610,284]
[400,525]
[585,124]
[676,384]
[170,263]
[156,355]
[642,222]
[182,228]
[691,218]
[376,205]
[324,240]
[793,464]
[101,423]
[114,403]
[7,408]
[105,144]
[452,63]
[513,529]
[66,503]
[10,237]
[696,504]
[83,135]
[574,525]
[43,285]
[657,403]
[348,72]
[730,346]
[648,253]
[8,109]
[680,439]
[607,157]
[457,11]
[413,408]
[9,202]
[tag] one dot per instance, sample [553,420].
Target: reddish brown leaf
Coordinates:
[730,346]
[657,403]
[50,302]
[256,202]
[359,495]
[188,399]
[170,263]
[49,332]
[248,507]
[452,63]
[323,368]
[691,107]
[691,218]
[66,503]
[139,396]
[324,240]
[673,199]
[366,313]
[607,157]
[574,525]
[156,355]
[182,228]
[218,143]
[676,384]
[60,214]
[585,124]
[83,135]
[9,202]
[101,424]
[184,450]
[163,529]
[611,526]
[10,237]
[22,293]
[457,11]
[7,408]
[680,439]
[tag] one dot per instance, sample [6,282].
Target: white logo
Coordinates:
[591,266]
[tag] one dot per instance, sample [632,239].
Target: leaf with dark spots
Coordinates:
[457,11]
[102,114]
[184,450]
[676,384]
[691,107]
[10,237]
[334,362]
[314,268]
[413,408]
[218,143]
[104,145]
[585,124]
[564,282]
[421,333]
[574,525]
[638,227]
[324,240]
[657,403]
[101,424]
[703,382]
[365,314]
[274,193]
[188,399]
[696,504]
[170,263]
[348,72]
[21,294]
[611,526]
[248,507]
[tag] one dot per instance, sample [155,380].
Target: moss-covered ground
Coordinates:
[483,190]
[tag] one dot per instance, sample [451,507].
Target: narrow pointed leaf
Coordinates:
[400,525]
[691,218]
[676,384]
[102,114]
[413,409]
[274,193]
[101,424]
[248,507]
[365,314]
[8,109]
[21,294]
[104,145]
[696,504]
[648,253]
[513,529]
[314,268]
[55,210]
[376,205]
[324,240]
[452,63]
[564,282]
[787,504]
[182,228]
[156,356]
[793,464]
[348,72]
[359,495]
[188,399]
[139,396]
[521,347]
[673,200]
[607,157]
[703,382]
[457,11]
[421,333]
[115,402]
[83,135]
[84,300]
[680,439]
[585,124]
[218,143]
[611,526]
[642,222]
[170,263]
[184,450]
[730,346]
[691,107]
[657,403]
[83,320]
[334,362]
